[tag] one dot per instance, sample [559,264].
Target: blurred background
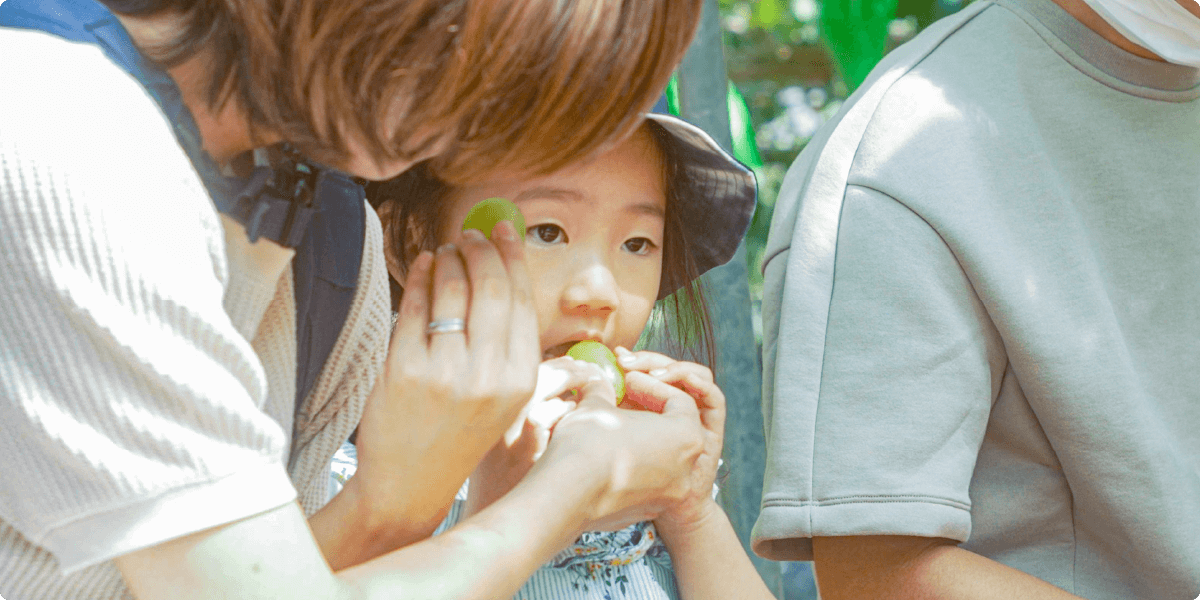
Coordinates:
[790,65]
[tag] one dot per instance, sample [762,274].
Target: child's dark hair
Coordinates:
[681,324]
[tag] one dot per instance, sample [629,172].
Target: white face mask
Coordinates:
[1161,26]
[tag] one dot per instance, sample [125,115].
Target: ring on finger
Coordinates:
[446,326]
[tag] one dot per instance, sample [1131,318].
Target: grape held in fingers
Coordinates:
[487,213]
[599,355]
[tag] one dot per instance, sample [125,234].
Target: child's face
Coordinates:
[593,243]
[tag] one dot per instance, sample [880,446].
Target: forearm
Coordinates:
[272,555]
[350,530]
[709,560]
[388,506]
[489,555]
[903,568]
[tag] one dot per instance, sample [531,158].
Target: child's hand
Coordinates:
[625,466]
[650,370]
[525,441]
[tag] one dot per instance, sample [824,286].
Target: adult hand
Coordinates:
[637,463]
[664,376]
[444,398]
[525,441]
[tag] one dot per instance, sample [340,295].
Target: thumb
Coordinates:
[546,414]
[543,418]
[598,388]
[559,375]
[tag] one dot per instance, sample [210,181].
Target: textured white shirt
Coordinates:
[146,379]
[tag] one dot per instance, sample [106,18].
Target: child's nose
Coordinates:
[591,291]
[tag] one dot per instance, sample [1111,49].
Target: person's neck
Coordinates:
[1092,20]
[225,133]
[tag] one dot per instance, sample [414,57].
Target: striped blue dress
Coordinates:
[630,564]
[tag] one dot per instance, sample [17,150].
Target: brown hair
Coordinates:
[521,84]
[681,324]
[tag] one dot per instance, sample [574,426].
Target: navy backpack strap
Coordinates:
[326,290]
[315,210]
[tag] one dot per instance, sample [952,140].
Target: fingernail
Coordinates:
[444,248]
[505,231]
[658,372]
[473,234]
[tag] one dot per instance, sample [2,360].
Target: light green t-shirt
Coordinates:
[982,309]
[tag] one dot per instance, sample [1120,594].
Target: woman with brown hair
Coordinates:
[160,385]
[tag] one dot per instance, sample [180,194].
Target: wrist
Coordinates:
[478,497]
[390,519]
[349,532]
[576,488]
[676,525]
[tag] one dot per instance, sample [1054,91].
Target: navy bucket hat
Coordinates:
[717,194]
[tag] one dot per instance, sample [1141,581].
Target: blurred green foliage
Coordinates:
[856,32]
[792,64]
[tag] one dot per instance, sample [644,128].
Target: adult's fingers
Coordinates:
[451,299]
[544,416]
[598,390]
[523,337]
[491,296]
[555,377]
[409,335]
[559,375]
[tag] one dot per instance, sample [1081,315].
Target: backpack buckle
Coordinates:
[278,202]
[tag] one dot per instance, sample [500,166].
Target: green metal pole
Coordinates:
[703,89]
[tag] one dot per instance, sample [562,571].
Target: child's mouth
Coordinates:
[557,350]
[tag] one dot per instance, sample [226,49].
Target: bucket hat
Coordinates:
[717,194]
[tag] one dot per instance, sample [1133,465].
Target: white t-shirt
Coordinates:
[981,315]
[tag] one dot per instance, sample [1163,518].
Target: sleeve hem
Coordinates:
[785,529]
[103,536]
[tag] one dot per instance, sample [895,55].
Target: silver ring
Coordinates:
[446,326]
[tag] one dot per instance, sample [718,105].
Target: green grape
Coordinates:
[599,354]
[485,215]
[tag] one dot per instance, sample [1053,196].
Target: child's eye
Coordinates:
[639,246]
[548,234]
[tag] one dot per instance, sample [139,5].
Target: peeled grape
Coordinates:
[599,354]
[486,214]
